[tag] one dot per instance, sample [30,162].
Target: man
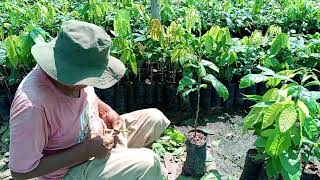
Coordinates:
[61,130]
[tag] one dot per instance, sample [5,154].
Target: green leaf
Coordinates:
[253,97]
[266,71]
[287,118]
[315,94]
[134,64]
[178,152]
[211,65]
[232,58]
[312,83]
[178,137]
[276,164]
[271,114]
[12,50]
[251,79]
[270,169]
[277,143]
[261,142]
[287,176]
[290,162]
[280,42]
[263,104]
[218,86]
[273,82]
[125,56]
[295,136]
[186,81]
[37,36]
[270,95]
[311,128]
[255,115]
[155,29]
[266,133]
[310,102]
[187,92]
[303,108]
[121,23]
[208,42]
[191,19]
[201,70]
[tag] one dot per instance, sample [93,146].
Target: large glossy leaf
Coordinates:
[290,162]
[261,142]
[303,108]
[191,19]
[271,172]
[255,115]
[277,143]
[266,71]
[288,176]
[295,136]
[313,83]
[271,114]
[270,95]
[186,81]
[276,164]
[211,65]
[266,133]
[155,29]
[310,102]
[251,79]
[310,128]
[134,64]
[281,41]
[201,70]
[218,86]
[125,56]
[264,104]
[315,94]
[12,43]
[287,118]
[122,23]
[208,41]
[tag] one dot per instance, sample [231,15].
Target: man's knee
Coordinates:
[148,162]
[157,118]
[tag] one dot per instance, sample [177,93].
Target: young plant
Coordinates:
[190,56]
[285,119]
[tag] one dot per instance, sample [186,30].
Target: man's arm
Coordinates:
[67,158]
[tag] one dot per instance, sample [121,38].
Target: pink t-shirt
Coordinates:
[44,121]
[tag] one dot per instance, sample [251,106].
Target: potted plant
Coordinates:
[196,76]
[286,122]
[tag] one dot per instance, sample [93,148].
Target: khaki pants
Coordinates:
[131,160]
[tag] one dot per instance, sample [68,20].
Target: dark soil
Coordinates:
[196,138]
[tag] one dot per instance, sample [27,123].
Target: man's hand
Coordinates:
[100,146]
[109,116]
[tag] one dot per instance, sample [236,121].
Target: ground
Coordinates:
[227,146]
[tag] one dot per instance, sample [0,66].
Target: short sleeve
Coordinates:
[28,137]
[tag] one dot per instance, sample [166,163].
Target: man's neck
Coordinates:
[67,90]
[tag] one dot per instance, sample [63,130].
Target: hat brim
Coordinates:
[72,74]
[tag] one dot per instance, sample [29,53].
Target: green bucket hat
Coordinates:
[80,55]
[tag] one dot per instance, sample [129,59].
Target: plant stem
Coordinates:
[198,107]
